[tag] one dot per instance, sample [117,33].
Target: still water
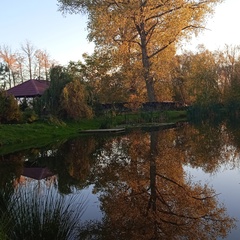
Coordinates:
[178,182]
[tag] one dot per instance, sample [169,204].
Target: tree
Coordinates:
[43,64]
[196,77]
[74,101]
[205,78]
[3,76]
[25,63]
[10,59]
[229,77]
[9,109]
[50,101]
[145,27]
[103,83]
[29,51]
[20,60]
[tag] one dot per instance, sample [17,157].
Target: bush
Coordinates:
[9,109]
[74,101]
[29,115]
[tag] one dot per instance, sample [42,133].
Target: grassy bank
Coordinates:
[14,137]
[20,136]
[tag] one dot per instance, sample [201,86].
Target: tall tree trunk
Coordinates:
[146,65]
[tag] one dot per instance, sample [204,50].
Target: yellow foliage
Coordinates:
[142,30]
[74,102]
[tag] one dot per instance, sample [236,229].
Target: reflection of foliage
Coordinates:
[10,168]
[45,215]
[78,157]
[233,129]
[144,191]
[206,146]
[71,161]
[146,195]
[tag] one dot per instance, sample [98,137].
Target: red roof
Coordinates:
[30,88]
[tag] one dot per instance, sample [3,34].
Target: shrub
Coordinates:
[9,109]
[74,101]
[29,115]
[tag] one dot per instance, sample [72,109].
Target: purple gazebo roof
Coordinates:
[30,88]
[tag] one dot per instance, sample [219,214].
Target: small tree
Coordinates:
[50,101]
[9,109]
[74,101]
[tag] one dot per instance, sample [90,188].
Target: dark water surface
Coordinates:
[175,183]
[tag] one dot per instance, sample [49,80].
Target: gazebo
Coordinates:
[29,89]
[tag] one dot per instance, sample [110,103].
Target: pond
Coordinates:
[180,182]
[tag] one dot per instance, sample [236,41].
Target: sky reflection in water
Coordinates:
[131,181]
[226,182]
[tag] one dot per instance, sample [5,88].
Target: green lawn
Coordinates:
[20,136]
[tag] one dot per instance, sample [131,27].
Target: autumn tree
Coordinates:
[74,101]
[25,63]
[10,60]
[103,82]
[20,63]
[50,101]
[43,64]
[143,27]
[209,80]
[231,55]
[205,78]
[229,77]
[9,109]
[180,78]
[37,61]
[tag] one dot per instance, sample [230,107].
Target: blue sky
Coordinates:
[64,38]
[40,22]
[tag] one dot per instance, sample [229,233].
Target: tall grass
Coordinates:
[45,214]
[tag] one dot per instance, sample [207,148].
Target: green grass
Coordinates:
[23,136]
[19,133]
[15,137]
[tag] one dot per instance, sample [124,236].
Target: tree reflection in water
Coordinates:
[146,195]
[144,191]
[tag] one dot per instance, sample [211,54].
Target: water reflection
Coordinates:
[140,179]
[150,197]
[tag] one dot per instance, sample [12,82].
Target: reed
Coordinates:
[41,214]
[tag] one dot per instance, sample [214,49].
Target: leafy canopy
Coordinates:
[142,27]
